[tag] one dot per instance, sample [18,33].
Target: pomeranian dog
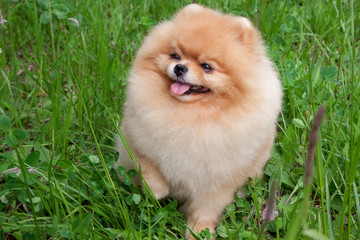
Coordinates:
[200,118]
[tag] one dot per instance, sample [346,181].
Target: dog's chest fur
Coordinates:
[196,156]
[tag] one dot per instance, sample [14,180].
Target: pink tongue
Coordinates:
[179,88]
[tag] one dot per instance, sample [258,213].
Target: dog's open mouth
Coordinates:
[179,88]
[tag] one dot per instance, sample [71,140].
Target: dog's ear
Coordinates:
[246,29]
[191,8]
[248,35]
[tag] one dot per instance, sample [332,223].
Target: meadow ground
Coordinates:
[63,70]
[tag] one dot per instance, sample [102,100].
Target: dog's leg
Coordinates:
[204,211]
[154,178]
[149,170]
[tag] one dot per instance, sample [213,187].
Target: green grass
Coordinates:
[62,88]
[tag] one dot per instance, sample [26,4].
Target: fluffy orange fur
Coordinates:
[200,148]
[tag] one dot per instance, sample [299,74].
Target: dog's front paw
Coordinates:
[160,193]
[158,185]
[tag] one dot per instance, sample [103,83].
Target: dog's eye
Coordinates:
[175,56]
[207,68]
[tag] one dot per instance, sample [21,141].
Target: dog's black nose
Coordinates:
[180,69]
